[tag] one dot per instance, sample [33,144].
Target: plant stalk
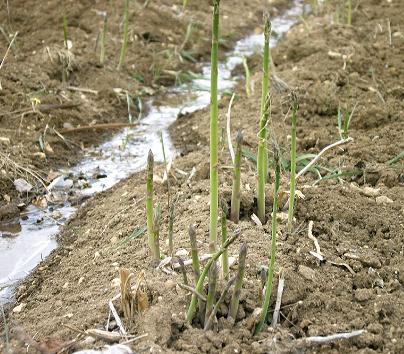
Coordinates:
[225,255]
[262,161]
[209,321]
[235,299]
[199,285]
[247,77]
[349,12]
[210,302]
[194,253]
[214,178]
[156,233]
[103,39]
[65,72]
[149,200]
[235,195]
[171,229]
[265,82]
[125,35]
[295,107]
[183,271]
[271,267]
[196,266]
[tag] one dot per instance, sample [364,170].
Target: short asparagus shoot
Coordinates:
[214,178]
[125,35]
[211,298]
[236,195]
[295,108]
[149,199]
[271,268]
[199,285]
[235,299]
[103,39]
[156,233]
[195,265]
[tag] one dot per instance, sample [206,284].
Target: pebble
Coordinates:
[19,308]
[371,192]
[181,253]
[115,282]
[88,340]
[307,272]
[22,186]
[67,125]
[60,183]
[39,155]
[170,284]
[113,240]
[4,140]
[56,215]
[383,200]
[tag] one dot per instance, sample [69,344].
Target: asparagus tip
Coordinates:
[239,138]
[150,157]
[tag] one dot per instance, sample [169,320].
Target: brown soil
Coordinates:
[34,100]
[353,224]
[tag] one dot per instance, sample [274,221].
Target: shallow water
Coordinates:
[124,154]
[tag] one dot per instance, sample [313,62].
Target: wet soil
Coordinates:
[358,219]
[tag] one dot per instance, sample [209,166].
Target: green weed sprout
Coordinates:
[271,268]
[235,195]
[295,108]
[149,200]
[125,35]
[65,32]
[344,122]
[396,159]
[349,12]
[214,178]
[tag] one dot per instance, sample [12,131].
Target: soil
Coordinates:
[38,109]
[358,218]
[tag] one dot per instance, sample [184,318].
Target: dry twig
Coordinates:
[278,302]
